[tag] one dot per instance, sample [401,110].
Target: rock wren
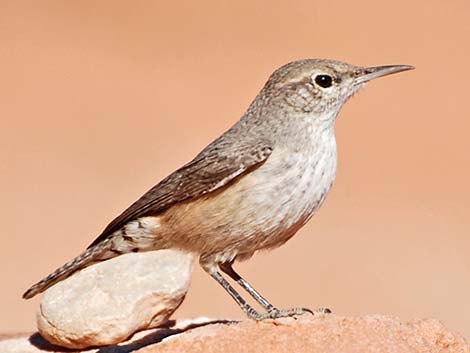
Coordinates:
[251,189]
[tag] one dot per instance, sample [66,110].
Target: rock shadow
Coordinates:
[40,342]
[156,336]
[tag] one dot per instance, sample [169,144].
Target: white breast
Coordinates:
[311,173]
[290,186]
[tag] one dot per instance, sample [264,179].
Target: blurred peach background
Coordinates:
[100,100]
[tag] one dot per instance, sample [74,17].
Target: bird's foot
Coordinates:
[292,312]
[324,311]
[275,313]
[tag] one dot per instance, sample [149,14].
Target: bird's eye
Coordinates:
[324,81]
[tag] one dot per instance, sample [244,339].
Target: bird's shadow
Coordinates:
[156,336]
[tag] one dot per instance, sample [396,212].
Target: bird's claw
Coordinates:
[275,313]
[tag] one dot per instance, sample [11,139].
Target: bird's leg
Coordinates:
[272,312]
[211,269]
[228,269]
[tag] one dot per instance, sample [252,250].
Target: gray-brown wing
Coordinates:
[217,165]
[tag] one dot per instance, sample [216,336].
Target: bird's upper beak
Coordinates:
[369,73]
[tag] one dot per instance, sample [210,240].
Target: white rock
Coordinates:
[106,303]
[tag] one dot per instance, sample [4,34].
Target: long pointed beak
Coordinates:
[370,73]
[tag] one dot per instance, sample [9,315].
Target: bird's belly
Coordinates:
[290,199]
[260,210]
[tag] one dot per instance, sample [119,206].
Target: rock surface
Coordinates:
[106,303]
[325,333]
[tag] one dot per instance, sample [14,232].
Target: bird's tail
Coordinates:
[99,252]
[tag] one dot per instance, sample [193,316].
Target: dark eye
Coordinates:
[324,81]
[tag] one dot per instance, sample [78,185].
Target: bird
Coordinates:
[251,189]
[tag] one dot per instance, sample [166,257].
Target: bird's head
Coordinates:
[321,86]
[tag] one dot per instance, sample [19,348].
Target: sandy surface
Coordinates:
[323,333]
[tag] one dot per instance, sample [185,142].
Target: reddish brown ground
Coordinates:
[325,334]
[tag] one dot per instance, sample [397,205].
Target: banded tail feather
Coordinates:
[97,253]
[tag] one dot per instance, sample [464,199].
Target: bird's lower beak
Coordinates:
[369,73]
